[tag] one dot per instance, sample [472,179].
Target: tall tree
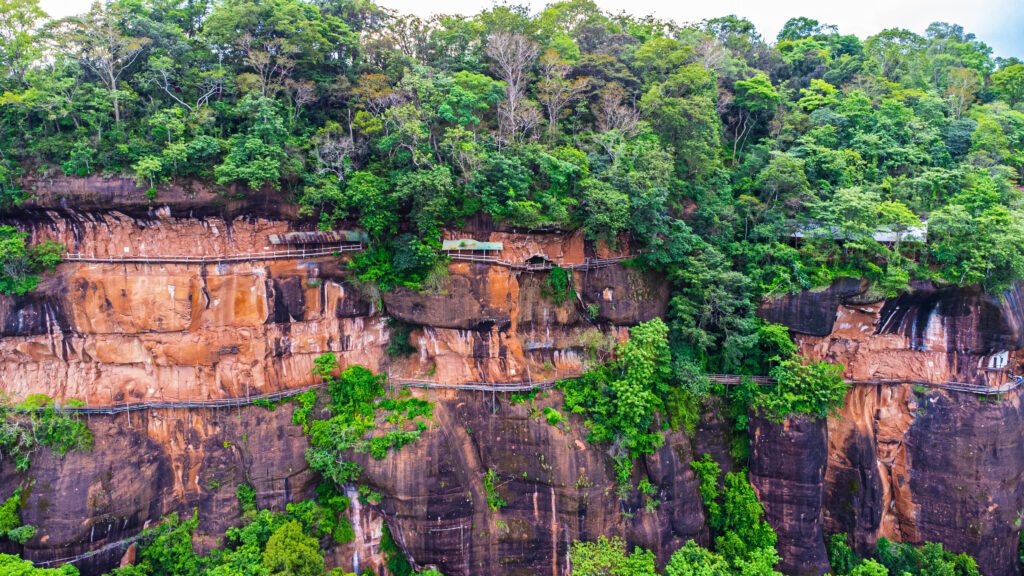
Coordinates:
[513,55]
[19,42]
[98,41]
[554,90]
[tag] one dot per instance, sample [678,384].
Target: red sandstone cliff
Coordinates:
[899,462]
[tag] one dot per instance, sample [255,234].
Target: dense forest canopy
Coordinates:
[705,146]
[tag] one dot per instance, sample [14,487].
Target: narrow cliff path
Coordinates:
[726,379]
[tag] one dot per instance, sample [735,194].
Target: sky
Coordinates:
[999,23]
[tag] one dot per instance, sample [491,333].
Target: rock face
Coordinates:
[174,331]
[908,463]
[913,463]
[918,466]
[155,462]
[122,333]
[558,489]
[787,470]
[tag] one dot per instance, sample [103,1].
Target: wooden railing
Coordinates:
[1014,383]
[587,264]
[520,386]
[290,254]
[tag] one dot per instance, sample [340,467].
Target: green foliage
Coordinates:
[14,566]
[360,420]
[743,530]
[494,500]
[620,400]
[290,552]
[931,558]
[246,498]
[557,285]
[608,557]
[10,520]
[708,473]
[841,557]
[20,264]
[268,543]
[899,558]
[397,563]
[398,340]
[166,549]
[37,421]
[692,560]
[813,388]
[553,416]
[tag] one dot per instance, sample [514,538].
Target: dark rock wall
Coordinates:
[787,470]
[558,489]
[151,463]
[811,312]
[968,456]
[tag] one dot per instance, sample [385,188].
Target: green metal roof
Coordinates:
[470,244]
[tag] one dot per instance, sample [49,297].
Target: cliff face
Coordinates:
[558,489]
[150,463]
[202,331]
[787,470]
[905,462]
[123,333]
[909,462]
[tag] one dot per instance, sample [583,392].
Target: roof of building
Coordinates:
[470,244]
[882,234]
[318,237]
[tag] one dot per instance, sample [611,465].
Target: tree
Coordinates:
[19,43]
[554,91]
[802,387]
[869,568]
[98,41]
[682,112]
[692,560]
[754,97]
[22,264]
[370,196]
[257,156]
[1009,83]
[11,565]
[962,85]
[797,28]
[273,37]
[895,50]
[290,552]
[513,54]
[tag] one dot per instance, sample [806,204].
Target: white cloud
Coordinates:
[1000,23]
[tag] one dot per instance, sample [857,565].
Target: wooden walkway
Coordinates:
[1013,384]
[323,251]
[291,254]
[522,386]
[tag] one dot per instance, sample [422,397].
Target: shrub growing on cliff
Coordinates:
[620,400]
[556,286]
[494,500]
[14,566]
[37,421]
[20,264]
[802,387]
[10,520]
[735,515]
[609,557]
